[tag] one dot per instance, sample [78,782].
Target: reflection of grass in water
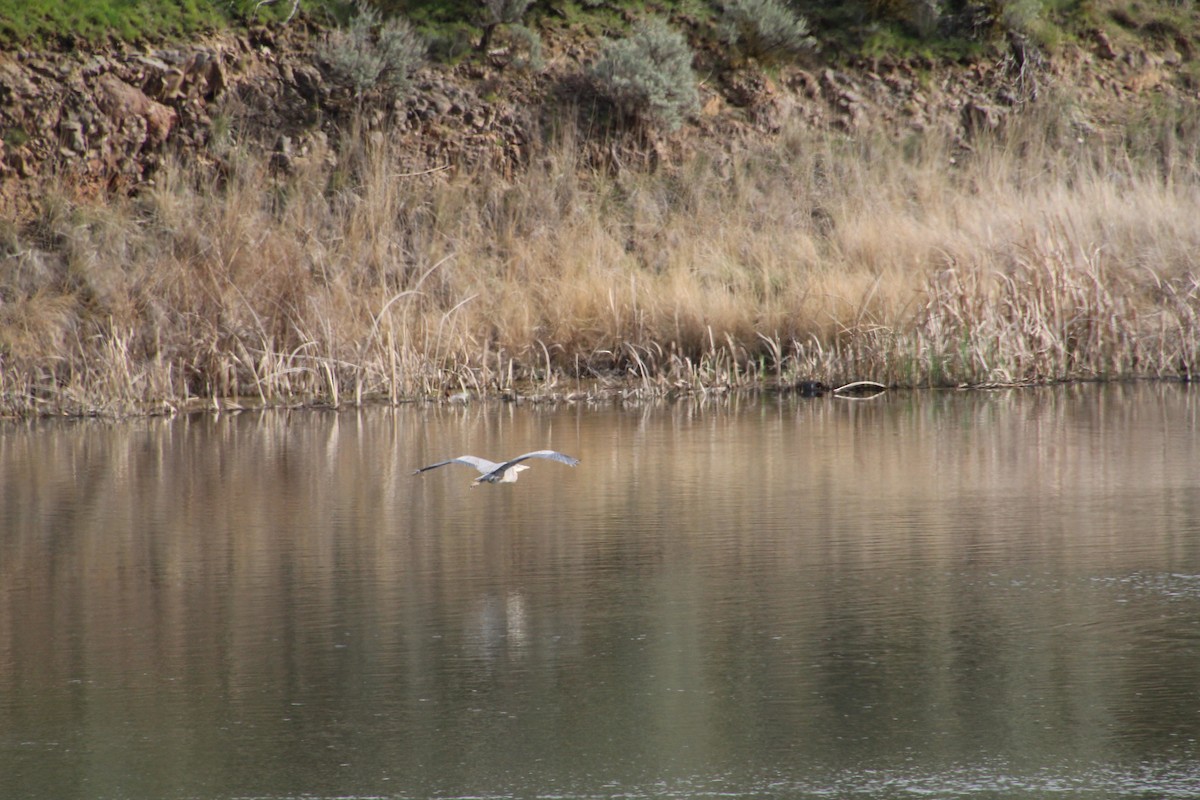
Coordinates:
[1030,258]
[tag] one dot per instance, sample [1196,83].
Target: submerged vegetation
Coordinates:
[812,256]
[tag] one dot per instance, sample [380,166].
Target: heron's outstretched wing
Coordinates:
[481,464]
[498,469]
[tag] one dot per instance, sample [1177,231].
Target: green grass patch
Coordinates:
[40,22]
[893,41]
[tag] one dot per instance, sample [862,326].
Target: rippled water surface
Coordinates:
[976,595]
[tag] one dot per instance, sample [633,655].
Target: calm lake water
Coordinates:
[947,595]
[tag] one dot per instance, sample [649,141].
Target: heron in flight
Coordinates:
[503,472]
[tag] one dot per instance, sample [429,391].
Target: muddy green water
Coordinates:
[984,595]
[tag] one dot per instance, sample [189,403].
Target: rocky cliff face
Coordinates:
[102,122]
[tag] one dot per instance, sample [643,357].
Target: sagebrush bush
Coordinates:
[374,55]
[506,12]
[648,75]
[924,16]
[500,12]
[523,47]
[765,29]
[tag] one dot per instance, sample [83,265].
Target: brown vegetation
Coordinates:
[1035,256]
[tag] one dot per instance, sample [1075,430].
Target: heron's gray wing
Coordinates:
[498,469]
[481,464]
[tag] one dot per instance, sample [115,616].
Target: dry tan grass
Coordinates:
[813,256]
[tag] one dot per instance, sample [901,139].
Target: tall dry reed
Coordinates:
[1039,255]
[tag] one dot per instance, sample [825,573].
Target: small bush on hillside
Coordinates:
[1028,19]
[506,12]
[925,16]
[648,76]
[921,17]
[370,54]
[500,12]
[765,29]
[521,48]
[450,43]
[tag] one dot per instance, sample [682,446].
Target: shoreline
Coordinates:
[628,394]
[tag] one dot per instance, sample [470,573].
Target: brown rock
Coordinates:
[978,117]
[15,81]
[1104,47]
[120,102]
[1144,80]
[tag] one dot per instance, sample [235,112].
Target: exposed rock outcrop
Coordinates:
[103,122]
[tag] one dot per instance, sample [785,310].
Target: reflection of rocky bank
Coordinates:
[107,119]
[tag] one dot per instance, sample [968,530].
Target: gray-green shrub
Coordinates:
[506,12]
[524,47]
[768,30]
[648,75]
[500,12]
[372,54]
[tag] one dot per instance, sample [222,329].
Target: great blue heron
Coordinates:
[504,472]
